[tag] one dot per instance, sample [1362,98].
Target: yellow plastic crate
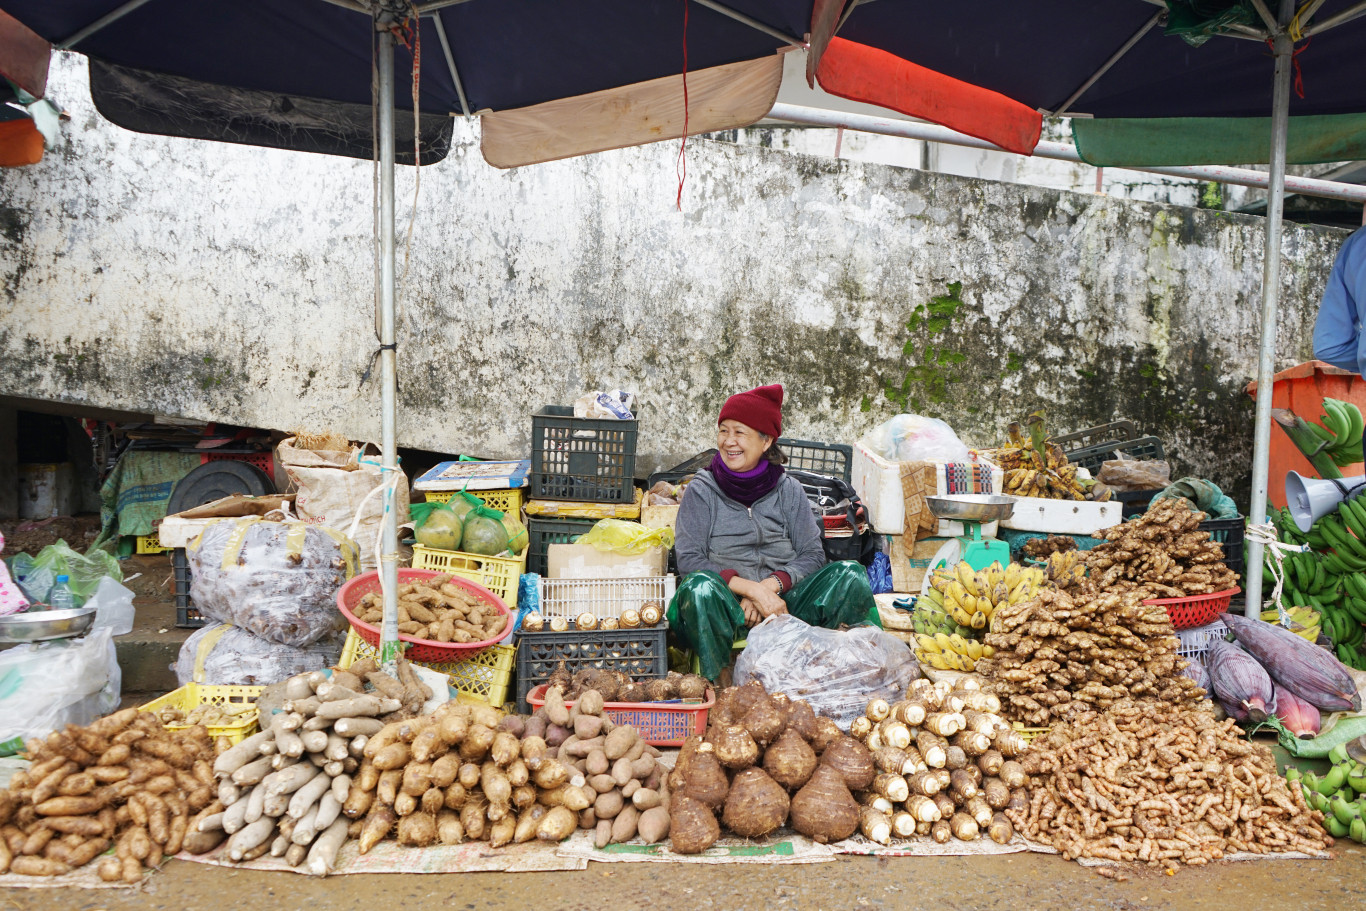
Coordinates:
[486,677]
[150,544]
[499,575]
[194,694]
[506,500]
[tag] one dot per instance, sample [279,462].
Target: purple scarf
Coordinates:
[748,487]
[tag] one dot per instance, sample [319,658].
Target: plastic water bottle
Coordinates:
[60,598]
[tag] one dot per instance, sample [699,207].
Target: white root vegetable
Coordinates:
[307,797]
[249,837]
[322,857]
[235,757]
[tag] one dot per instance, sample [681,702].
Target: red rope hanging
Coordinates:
[681,168]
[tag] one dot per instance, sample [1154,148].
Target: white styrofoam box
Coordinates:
[878,483]
[1062,517]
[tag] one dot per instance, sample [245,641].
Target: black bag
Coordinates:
[834,497]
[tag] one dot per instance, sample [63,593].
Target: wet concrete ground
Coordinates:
[1019,882]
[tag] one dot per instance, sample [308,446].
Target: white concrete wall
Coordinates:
[229,283]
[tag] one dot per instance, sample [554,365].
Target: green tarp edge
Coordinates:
[1179,141]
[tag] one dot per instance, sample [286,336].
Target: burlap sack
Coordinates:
[332,486]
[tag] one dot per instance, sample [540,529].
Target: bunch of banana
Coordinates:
[1066,567]
[1340,435]
[1340,795]
[956,611]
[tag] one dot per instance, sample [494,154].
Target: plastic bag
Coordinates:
[1135,474]
[436,525]
[278,580]
[913,438]
[45,686]
[223,655]
[485,533]
[629,538]
[36,575]
[837,672]
[113,605]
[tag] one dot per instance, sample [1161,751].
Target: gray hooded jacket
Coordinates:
[778,533]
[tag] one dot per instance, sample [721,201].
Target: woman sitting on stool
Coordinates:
[748,545]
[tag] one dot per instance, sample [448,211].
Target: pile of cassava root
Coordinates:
[1161,785]
[124,781]
[1064,653]
[1162,554]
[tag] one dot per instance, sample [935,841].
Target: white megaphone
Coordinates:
[1310,499]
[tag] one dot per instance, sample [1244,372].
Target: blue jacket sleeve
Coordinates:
[692,531]
[803,532]
[1338,328]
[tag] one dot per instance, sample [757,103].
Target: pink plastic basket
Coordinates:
[423,650]
[662,724]
[1197,610]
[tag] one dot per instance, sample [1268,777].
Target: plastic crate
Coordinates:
[1143,449]
[1229,533]
[582,458]
[660,724]
[1196,610]
[541,533]
[1196,640]
[641,654]
[149,544]
[262,460]
[193,694]
[186,615]
[1105,434]
[603,598]
[499,575]
[486,676]
[423,650]
[507,500]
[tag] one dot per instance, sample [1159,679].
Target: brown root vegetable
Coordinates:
[692,827]
[705,781]
[852,760]
[824,810]
[735,748]
[755,805]
[790,760]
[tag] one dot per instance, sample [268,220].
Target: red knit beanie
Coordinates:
[760,408]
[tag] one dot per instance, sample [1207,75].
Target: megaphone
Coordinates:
[1310,499]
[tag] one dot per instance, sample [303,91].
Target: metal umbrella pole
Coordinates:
[1283,48]
[388,558]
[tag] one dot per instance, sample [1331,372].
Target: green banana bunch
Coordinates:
[1340,433]
[1340,794]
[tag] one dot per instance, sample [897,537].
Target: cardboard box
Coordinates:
[584,561]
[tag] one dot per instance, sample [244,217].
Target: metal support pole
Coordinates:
[388,558]
[1283,47]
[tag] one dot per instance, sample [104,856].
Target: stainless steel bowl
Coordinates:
[35,626]
[972,507]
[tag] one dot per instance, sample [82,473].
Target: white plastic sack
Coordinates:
[45,686]
[836,672]
[914,438]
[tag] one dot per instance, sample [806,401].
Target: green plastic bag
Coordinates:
[629,538]
[436,525]
[36,575]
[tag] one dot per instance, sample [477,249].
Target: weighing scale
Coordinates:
[972,510]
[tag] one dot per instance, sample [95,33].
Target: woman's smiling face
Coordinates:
[741,446]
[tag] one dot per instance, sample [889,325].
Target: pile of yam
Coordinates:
[438,610]
[1162,785]
[123,781]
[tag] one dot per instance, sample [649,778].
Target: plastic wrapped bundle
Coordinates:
[277,580]
[223,655]
[836,672]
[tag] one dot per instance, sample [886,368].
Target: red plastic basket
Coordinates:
[418,649]
[1196,610]
[662,724]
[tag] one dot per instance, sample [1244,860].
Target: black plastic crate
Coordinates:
[1230,533]
[639,653]
[1144,449]
[541,533]
[585,459]
[186,615]
[1091,437]
[834,459]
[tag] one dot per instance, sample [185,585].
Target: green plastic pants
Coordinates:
[706,615]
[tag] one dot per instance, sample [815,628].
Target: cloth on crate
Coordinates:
[748,486]
[927,479]
[778,534]
[1204,495]
[134,497]
[706,615]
